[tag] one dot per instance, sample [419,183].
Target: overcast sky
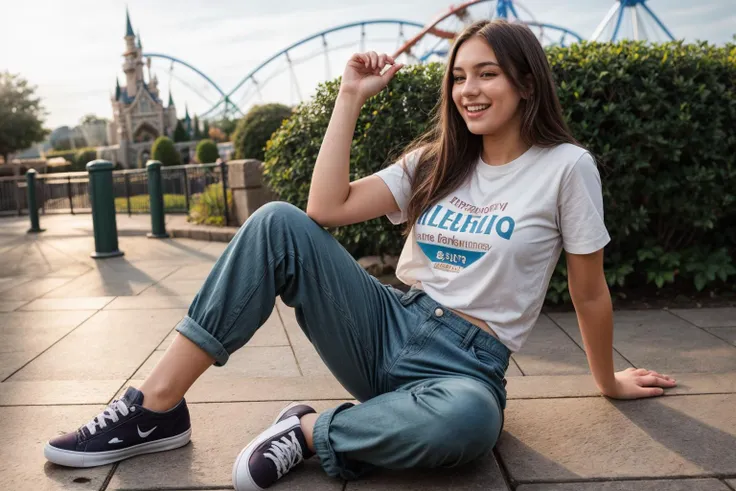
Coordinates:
[71,49]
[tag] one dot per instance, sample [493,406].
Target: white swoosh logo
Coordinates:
[144,434]
[115,440]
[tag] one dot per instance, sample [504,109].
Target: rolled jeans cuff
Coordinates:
[203,339]
[329,460]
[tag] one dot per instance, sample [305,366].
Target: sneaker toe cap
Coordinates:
[67,441]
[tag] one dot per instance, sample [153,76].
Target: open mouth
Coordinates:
[475,110]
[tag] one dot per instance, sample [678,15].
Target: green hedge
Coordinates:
[78,157]
[659,118]
[83,157]
[255,129]
[164,151]
[207,151]
[141,203]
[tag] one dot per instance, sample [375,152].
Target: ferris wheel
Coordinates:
[644,24]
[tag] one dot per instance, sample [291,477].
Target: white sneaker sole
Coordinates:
[71,458]
[242,481]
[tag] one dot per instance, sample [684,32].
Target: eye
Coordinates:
[488,75]
[458,78]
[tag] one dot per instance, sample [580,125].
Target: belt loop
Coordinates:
[469,337]
[410,295]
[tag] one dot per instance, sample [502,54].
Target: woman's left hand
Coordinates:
[635,383]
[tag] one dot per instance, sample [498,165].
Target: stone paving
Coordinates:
[74,332]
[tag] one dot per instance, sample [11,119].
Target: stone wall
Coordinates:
[245,179]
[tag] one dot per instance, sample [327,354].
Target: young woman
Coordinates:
[491,197]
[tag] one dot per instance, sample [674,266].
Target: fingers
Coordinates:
[644,372]
[392,71]
[360,58]
[652,381]
[651,392]
[372,61]
[665,377]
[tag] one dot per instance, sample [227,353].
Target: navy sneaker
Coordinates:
[274,452]
[123,430]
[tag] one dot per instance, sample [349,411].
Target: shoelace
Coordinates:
[285,453]
[111,413]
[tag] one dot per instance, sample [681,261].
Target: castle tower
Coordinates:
[139,114]
[133,64]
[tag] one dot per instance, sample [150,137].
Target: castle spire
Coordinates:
[117,88]
[138,41]
[171,99]
[128,25]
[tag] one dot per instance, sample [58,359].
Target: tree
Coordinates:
[227,126]
[206,129]
[164,151]
[217,134]
[180,133]
[256,128]
[21,115]
[197,133]
[67,138]
[92,119]
[207,152]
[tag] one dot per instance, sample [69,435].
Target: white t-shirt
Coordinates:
[489,248]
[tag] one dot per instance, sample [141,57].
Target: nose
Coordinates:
[470,88]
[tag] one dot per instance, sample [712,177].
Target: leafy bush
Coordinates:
[78,158]
[141,203]
[207,152]
[67,154]
[208,208]
[82,158]
[164,151]
[256,128]
[658,118]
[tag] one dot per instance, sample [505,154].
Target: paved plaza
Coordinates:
[74,332]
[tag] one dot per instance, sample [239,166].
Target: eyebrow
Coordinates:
[479,65]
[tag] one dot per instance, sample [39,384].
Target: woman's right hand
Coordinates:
[362,76]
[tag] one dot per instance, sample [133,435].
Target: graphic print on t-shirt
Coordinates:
[451,253]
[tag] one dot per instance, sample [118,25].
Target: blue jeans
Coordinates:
[430,384]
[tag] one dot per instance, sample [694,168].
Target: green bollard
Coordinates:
[103,209]
[32,205]
[156,200]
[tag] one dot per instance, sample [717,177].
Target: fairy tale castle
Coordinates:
[139,114]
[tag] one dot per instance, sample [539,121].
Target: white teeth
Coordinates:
[474,109]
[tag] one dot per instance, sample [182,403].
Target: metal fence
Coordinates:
[63,193]
[12,197]
[56,193]
[68,192]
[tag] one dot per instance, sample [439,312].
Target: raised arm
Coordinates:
[333,199]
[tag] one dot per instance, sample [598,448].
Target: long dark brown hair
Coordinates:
[448,149]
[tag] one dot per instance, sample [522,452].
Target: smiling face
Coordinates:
[483,95]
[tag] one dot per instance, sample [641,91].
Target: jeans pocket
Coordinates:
[495,364]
